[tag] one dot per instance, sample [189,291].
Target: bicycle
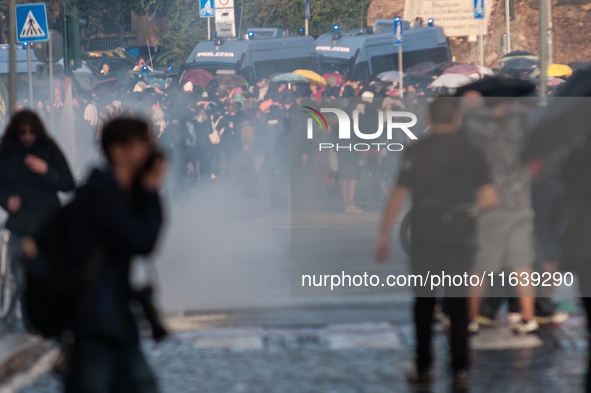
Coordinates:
[8,282]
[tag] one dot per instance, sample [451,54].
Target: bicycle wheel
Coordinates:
[405,234]
[7,280]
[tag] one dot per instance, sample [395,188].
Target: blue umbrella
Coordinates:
[290,78]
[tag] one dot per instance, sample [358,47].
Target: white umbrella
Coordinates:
[451,81]
[483,71]
[390,76]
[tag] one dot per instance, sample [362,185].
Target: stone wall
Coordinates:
[571,20]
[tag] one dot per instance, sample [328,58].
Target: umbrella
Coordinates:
[451,81]
[499,87]
[519,55]
[422,68]
[577,65]
[515,67]
[231,80]
[311,76]
[559,70]
[338,77]
[289,77]
[197,77]
[390,76]
[564,119]
[105,85]
[465,69]
[445,65]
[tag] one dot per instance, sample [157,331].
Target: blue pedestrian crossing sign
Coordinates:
[478,9]
[398,31]
[31,23]
[207,9]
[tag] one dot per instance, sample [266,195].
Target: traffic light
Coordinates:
[75,40]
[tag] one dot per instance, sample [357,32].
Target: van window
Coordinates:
[436,55]
[362,70]
[389,62]
[263,69]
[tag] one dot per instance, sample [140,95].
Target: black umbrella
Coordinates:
[499,87]
[565,119]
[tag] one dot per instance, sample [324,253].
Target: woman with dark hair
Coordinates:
[32,171]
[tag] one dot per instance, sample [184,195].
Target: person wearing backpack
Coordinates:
[116,215]
[449,182]
[32,172]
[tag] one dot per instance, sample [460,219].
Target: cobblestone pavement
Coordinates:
[356,357]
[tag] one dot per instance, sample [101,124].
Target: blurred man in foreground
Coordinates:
[449,182]
[115,216]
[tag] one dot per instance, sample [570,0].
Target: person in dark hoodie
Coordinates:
[32,171]
[114,217]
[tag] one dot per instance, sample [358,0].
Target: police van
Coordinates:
[370,51]
[258,55]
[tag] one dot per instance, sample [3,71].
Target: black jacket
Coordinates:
[38,192]
[104,222]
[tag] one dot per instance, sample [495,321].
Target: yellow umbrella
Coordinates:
[311,76]
[559,70]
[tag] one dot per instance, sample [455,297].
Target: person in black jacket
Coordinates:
[32,171]
[114,217]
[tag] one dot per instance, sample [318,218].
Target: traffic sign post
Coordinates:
[30,75]
[399,41]
[31,23]
[207,10]
[479,14]
[308,16]
[31,26]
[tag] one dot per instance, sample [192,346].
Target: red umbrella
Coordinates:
[338,77]
[105,85]
[465,69]
[198,77]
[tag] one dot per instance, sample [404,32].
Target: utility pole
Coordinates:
[12,41]
[550,29]
[543,50]
[508,24]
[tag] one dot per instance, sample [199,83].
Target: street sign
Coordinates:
[307,9]
[31,23]
[41,49]
[478,9]
[224,4]
[398,32]
[206,9]
[225,22]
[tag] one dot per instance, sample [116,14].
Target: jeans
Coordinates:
[99,366]
[15,256]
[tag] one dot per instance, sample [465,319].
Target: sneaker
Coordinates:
[556,318]
[473,327]
[419,378]
[514,318]
[484,321]
[352,209]
[525,327]
[461,380]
